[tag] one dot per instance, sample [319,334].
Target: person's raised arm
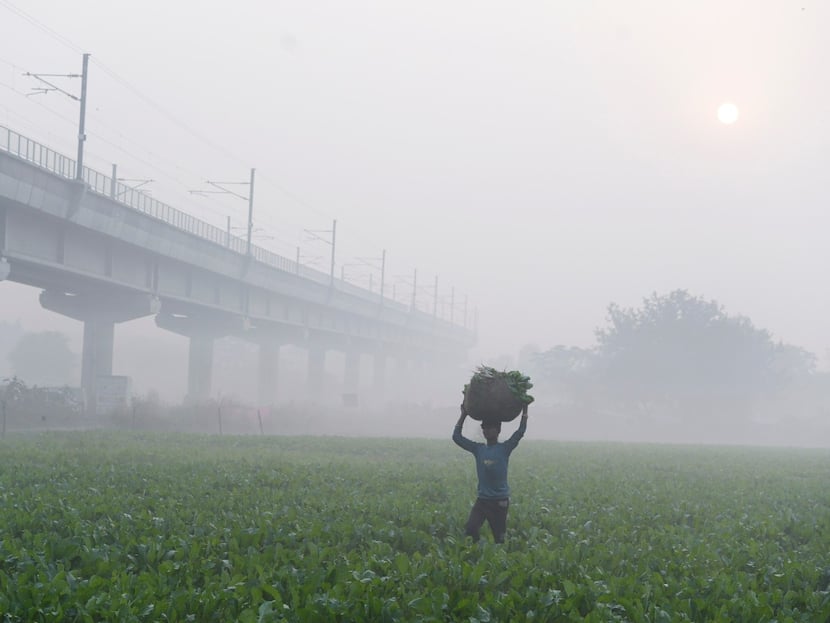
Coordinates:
[463,416]
[457,437]
[520,432]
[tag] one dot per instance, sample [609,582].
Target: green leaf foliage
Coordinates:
[128,527]
[518,383]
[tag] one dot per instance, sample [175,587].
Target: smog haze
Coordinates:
[541,160]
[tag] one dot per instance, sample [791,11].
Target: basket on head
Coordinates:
[491,399]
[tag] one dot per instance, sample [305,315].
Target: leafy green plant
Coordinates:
[518,383]
[107,526]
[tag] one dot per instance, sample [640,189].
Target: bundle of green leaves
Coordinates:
[518,383]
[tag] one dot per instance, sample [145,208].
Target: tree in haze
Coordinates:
[681,354]
[527,354]
[43,359]
[565,373]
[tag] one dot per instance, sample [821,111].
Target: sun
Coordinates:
[727,113]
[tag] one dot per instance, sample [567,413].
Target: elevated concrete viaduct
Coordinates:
[102,261]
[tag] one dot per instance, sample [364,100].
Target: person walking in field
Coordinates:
[492,457]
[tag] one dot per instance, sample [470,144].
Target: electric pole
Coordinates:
[79,172]
[250,209]
[414,287]
[79,165]
[333,242]
[435,299]
[315,234]
[382,274]
[376,263]
[226,191]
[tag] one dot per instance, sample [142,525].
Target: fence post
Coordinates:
[259,417]
[3,430]
[219,416]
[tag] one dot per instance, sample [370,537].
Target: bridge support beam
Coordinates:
[96,359]
[351,372]
[270,340]
[199,368]
[57,235]
[379,372]
[99,315]
[316,370]
[409,373]
[269,362]
[202,330]
[421,373]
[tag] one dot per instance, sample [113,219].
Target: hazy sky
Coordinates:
[546,158]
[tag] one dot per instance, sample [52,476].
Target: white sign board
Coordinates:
[112,393]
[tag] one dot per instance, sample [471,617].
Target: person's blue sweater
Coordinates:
[491,461]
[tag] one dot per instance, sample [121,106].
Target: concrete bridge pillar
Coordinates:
[269,341]
[96,358]
[417,370]
[199,368]
[316,370]
[202,330]
[393,374]
[269,361]
[379,372]
[402,376]
[413,368]
[99,312]
[351,372]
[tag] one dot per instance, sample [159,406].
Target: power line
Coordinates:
[140,94]
[26,120]
[161,110]
[35,22]
[164,112]
[201,208]
[9,63]
[71,121]
[220,148]
[223,210]
[68,43]
[41,104]
[131,155]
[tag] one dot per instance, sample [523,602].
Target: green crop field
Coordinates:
[139,527]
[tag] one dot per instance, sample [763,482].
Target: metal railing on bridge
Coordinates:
[54,162]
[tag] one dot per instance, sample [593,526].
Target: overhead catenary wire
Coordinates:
[37,23]
[224,151]
[264,219]
[75,48]
[149,101]
[108,142]
[163,172]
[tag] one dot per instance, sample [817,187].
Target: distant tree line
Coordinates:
[33,401]
[38,358]
[681,357]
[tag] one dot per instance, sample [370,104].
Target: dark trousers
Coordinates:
[495,512]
